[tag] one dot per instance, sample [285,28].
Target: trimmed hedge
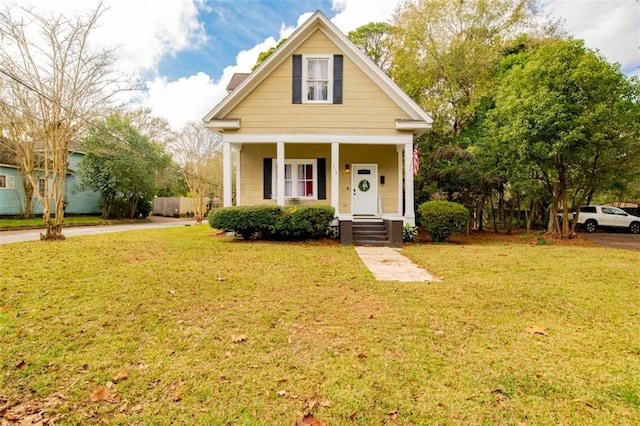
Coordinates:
[273,222]
[441,219]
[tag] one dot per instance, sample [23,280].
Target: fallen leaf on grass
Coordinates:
[173,292]
[239,338]
[309,420]
[536,329]
[393,415]
[21,365]
[311,404]
[120,376]
[361,355]
[325,403]
[101,393]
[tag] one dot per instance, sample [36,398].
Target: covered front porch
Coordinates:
[361,177]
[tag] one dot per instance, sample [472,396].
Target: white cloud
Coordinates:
[611,26]
[354,13]
[191,98]
[142,32]
[183,100]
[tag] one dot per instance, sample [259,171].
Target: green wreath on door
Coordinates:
[364,185]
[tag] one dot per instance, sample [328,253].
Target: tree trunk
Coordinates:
[28,197]
[495,223]
[511,217]
[481,214]
[532,216]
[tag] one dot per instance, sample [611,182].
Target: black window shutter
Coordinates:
[266,184]
[337,78]
[296,87]
[322,178]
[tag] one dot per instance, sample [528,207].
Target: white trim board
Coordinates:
[318,138]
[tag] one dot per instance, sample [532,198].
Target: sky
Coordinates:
[184,52]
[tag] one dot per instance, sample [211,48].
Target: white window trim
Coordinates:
[305,81]
[9,182]
[294,179]
[42,191]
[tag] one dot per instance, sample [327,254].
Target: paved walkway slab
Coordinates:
[388,264]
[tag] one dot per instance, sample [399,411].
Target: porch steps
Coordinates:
[370,233]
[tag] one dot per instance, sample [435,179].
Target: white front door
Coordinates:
[364,184]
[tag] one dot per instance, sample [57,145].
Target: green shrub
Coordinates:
[246,220]
[273,222]
[302,222]
[409,233]
[441,219]
[143,208]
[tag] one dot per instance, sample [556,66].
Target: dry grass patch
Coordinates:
[178,326]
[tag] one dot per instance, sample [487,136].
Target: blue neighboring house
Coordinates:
[12,195]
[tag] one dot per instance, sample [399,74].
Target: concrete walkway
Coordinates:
[388,264]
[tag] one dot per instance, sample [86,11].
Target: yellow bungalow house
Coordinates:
[319,123]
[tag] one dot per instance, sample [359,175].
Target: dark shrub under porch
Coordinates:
[441,219]
[274,222]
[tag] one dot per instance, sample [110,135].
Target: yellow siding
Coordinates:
[366,109]
[251,169]
[386,158]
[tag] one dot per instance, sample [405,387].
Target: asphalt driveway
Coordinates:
[619,240]
[7,237]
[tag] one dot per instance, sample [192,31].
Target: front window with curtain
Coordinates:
[318,79]
[300,179]
[305,180]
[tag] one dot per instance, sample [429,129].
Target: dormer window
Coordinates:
[317,78]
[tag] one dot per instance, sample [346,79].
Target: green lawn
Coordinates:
[178,326]
[17,223]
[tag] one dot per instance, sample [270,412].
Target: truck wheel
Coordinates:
[634,228]
[590,225]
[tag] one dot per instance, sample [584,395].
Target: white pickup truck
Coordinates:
[594,217]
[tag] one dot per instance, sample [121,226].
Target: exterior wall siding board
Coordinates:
[252,165]
[10,199]
[78,202]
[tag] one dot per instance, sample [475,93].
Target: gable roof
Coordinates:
[236,80]
[318,21]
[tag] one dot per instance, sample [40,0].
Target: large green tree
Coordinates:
[568,119]
[446,51]
[374,39]
[121,164]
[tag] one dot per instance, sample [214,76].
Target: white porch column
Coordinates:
[226,174]
[280,173]
[335,176]
[399,149]
[409,214]
[238,149]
